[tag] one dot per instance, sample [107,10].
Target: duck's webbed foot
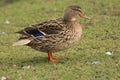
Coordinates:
[51,58]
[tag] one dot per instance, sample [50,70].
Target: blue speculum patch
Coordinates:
[34,32]
[38,34]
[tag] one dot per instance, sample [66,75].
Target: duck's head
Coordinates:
[72,11]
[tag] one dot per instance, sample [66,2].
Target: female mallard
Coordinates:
[54,35]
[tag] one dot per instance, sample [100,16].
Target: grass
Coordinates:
[100,34]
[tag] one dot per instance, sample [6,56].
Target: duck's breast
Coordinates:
[77,31]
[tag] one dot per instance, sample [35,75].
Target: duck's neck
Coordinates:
[70,17]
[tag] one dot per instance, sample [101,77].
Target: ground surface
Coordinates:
[86,61]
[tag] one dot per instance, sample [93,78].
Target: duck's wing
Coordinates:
[44,28]
[51,27]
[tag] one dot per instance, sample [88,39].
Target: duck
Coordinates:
[54,35]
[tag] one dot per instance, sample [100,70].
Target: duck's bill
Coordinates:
[84,16]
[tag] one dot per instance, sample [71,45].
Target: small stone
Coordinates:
[26,67]
[3,32]
[96,62]
[108,53]
[14,65]
[3,78]
[7,22]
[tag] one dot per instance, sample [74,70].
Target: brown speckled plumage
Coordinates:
[65,37]
[60,34]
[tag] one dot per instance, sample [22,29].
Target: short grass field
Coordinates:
[97,57]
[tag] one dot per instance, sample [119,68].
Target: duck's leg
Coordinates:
[51,58]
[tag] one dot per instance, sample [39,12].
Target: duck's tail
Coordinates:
[22,42]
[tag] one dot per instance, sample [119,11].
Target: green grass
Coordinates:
[100,34]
